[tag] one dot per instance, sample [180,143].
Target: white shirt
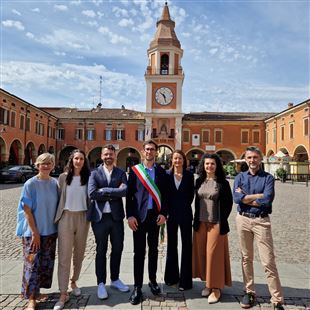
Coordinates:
[177,182]
[76,195]
[107,207]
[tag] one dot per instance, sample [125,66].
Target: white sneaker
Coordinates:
[118,284]
[102,292]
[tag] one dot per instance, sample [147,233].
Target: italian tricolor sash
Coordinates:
[148,183]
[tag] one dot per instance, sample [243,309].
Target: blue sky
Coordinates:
[238,55]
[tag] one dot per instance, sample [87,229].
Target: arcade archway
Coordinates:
[128,157]
[2,150]
[94,157]
[41,149]
[163,156]
[301,154]
[193,157]
[64,155]
[226,156]
[30,154]
[15,156]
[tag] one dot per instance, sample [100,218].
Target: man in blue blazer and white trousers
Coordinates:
[106,187]
[146,210]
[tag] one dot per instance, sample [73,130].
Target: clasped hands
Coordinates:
[133,223]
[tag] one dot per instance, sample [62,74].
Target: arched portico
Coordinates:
[193,157]
[270,153]
[64,155]
[94,157]
[30,154]
[164,155]
[301,154]
[128,157]
[16,153]
[41,149]
[226,156]
[2,150]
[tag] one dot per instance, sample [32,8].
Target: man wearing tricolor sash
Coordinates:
[146,210]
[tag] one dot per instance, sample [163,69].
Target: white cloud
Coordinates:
[93,23]
[36,10]
[186,34]
[119,12]
[125,22]
[74,80]
[60,53]
[30,35]
[114,38]
[89,13]
[13,24]
[213,51]
[16,12]
[97,2]
[100,14]
[65,39]
[76,2]
[60,7]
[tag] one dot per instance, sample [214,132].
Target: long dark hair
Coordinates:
[85,171]
[183,156]
[219,171]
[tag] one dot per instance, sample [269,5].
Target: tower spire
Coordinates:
[165,34]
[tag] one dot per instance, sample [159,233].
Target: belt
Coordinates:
[253,215]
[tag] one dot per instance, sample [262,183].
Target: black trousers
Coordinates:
[102,230]
[172,273]
[148,230]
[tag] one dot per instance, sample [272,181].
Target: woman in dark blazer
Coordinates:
[181,193]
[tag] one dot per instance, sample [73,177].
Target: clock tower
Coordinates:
[164,79]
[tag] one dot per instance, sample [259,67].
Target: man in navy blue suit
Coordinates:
[106,187]
[146,210]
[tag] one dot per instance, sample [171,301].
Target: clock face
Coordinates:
[164,95]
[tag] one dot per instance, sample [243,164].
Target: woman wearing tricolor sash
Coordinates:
[146,210]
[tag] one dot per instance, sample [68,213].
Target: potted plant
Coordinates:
[281,174]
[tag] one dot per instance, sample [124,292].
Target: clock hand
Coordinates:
[164,96]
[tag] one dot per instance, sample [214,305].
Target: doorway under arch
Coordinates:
[301,154]
[226,156]
[164,155]
[30,154]
[2,150]
[94,157]
[128,157]
[41,149]
[15,156]
[193,157]
[64,155]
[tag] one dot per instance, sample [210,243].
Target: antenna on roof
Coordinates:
[99,104]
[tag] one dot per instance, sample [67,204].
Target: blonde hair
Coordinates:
[45,158]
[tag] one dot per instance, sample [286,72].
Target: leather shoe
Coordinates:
[136,296]
[215,296]
[155,289]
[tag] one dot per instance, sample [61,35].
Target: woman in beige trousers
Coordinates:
[72,224]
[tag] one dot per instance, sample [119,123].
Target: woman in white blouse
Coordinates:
[72,224]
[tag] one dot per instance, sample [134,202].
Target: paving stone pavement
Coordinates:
[290,222]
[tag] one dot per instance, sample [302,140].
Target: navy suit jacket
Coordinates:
[137,195]
[180,200]
[99,191]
